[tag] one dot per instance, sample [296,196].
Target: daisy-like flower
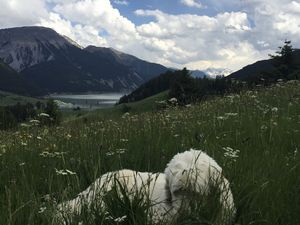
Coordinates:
[231,153]
[120,219]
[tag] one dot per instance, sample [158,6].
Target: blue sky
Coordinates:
[210,8]
[197,34]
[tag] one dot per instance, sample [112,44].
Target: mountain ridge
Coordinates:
[56,63]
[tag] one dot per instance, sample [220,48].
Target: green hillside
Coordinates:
[7,98]
[254,136]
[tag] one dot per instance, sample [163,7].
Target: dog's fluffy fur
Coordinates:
[191,171]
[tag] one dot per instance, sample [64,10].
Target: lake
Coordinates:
[86,101]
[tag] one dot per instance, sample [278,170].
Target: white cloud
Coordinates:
[99,14]
[121,2]
[192,3]
[197,39]
[21,13]
[83,35]
[230,39]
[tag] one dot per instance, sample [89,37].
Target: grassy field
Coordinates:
[12,99]
[254,136]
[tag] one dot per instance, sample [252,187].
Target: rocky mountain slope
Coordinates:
[57,64]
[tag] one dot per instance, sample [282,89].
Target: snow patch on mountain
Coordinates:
[213,72]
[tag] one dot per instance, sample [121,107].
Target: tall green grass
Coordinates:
[254,136]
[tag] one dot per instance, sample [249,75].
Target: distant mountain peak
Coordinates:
[23,47]
[213,72]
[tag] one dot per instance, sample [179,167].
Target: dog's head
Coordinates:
[191,171]
[193,176]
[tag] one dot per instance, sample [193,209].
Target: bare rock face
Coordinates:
[24,47]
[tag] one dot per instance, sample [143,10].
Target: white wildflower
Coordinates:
[263,127]
[22,164]
[120,219]
[231,114]
[274,109]
[42,209]
[64,172]
[34,122]
[173,100]
[24,125]
[109,153]
[231,153]
[44,115]
[125,115]
[120,151]
[70,172]
[39,138]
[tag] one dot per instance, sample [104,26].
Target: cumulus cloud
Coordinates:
[21,13]
[83,34]
[229,39]
[196,39]
[192,3]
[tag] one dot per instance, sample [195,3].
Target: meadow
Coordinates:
[254,136]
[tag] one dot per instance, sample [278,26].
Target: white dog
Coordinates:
[188,173]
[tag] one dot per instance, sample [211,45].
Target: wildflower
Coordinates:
[24,125]
[70,172]
[22,164]
[120,219]
[23,143]
[274,109]
[176,135]
[44,115]
[231,114]
[42,209]
[109,153]
[295,152]
[123,140]
[124,116]
[52,155]
[263,127]
[68,136]
[39,138]
[34,122]
[121,151]
[47,197]
[3,148]
[64,172]
[230,153]
[221,118]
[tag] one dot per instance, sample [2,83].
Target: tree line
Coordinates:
[187,89]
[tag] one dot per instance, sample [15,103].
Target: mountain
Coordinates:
[146,70]
[11,81]
[198,73]
[55,63]
[259,67]
[213,72]
[252,70]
